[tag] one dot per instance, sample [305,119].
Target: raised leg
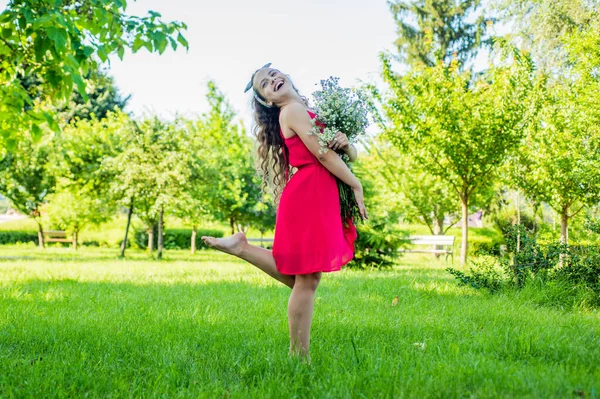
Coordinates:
[300,312]
[237,245]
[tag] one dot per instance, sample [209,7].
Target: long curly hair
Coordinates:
[272,162]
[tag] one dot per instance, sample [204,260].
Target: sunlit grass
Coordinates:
[91,324]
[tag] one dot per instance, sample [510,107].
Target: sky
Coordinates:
[310,40]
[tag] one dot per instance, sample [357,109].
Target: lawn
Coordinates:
[90,324]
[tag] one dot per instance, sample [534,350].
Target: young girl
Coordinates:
[310,237]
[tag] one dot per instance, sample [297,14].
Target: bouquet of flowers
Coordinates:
[345,110]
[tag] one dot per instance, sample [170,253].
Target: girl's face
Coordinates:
[273,85]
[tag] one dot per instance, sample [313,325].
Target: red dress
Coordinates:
[309,234]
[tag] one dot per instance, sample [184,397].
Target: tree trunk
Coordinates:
[465,229]
[193,240]
[536,209]
[124,243]
[438,229]
[519,221]
[232,224]
[41,242]
[438,226]
[564,226]
[564,233]
[75,240]
[150,233]
[161,243]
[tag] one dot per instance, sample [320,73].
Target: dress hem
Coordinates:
[319,270]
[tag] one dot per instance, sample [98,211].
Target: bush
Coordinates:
[571,271]
[483,273]
[377,246]
[14,237]
[506,219]
[176,238]
[581,268]
[485,245]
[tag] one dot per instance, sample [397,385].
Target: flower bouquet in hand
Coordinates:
[343,110]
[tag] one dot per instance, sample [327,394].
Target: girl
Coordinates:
[310,237]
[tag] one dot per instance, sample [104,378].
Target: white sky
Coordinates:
[309,39]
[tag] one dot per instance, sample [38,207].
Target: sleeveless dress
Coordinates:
[309,234]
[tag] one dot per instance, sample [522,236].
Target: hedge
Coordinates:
[176,238]
[15,236]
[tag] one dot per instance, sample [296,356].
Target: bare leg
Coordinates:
[237,245]
[300,312]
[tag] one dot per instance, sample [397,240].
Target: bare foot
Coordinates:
[231,245]
[303,357]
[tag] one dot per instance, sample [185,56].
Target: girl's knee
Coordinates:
[309,281]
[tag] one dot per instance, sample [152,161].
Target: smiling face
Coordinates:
[272,85]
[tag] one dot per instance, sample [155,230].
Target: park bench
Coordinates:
[439,245]
[59,236]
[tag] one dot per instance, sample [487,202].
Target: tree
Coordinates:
[430,31]
[72,210]
[459,128]
[263,215]
[541,25]
[152,169]
[59,42]
[234,188]
[84,152]
[421,196]
[102,97]
[558,162]
[27,177]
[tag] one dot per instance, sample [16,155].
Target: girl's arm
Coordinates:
[295,117]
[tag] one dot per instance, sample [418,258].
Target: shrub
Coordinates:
[485,245]
[176,238]
[14,237]
[571,271]
[483,273]
[581,267]
[377,246]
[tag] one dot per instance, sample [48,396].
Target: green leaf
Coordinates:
[59,36]
[44,21]
[87,51]
[160,42]
[121,52]
[11,144]
[41,44]
[7,33]
[137,44]
[80,86]
[36,132]
[51,122]
[173,43]
[102,54]
[182,40]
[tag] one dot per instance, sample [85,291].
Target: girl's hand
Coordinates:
[339,142]
[360,201]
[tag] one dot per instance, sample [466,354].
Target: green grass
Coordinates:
[90,324]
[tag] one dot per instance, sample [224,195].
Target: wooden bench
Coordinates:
[59,236]
[442,245]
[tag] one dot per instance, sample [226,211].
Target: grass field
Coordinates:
[88,324]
